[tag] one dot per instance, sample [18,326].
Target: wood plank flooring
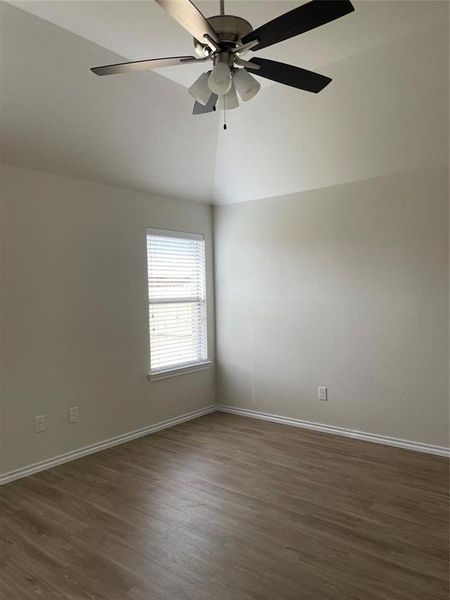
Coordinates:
[230,508]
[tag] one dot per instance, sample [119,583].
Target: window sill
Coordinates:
[179,371]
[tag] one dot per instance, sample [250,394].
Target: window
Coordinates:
[177,300]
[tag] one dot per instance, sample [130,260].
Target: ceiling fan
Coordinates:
[225,39]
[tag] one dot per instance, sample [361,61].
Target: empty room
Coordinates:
[224,300]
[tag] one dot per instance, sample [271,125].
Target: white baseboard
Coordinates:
[114,441]
[351,433]
[132,435]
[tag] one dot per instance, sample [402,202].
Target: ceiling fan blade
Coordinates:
[297,21]
[201,109]
[144,65]
[191,19]
[289,75]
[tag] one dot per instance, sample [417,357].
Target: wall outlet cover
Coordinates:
[39,423]
[322,393]
[74,415]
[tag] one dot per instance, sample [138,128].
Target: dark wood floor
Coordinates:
[230,508]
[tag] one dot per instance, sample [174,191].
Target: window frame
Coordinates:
[179,369]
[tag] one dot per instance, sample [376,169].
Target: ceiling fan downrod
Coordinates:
[222,7]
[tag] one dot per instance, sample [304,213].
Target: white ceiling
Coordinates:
[387,112]
[142,29]
[136,130]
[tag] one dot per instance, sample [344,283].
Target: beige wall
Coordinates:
[74,313]
[347,287]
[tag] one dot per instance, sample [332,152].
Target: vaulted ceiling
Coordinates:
[388,61]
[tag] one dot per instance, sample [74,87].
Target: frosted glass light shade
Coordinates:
[220,79]
[199,90]
[229,100]
[246,85]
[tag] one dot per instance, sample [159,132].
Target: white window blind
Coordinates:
[177,299]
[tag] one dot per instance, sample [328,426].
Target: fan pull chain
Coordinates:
[225,113]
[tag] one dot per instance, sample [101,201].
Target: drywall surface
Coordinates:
[75,315]
[345,287]
[134,131]
[385,112]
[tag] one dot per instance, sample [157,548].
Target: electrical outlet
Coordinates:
[74,416]
[39,424]
[322,393]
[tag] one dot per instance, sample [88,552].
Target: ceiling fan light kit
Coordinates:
[220,80]
[199,90]
[246,85]
[229,101]
[225,39]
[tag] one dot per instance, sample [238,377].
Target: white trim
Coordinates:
[243,412]
[192,368]
[351,433]
[114,441]
[184,235]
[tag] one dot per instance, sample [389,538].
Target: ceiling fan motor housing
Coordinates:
[229,30]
